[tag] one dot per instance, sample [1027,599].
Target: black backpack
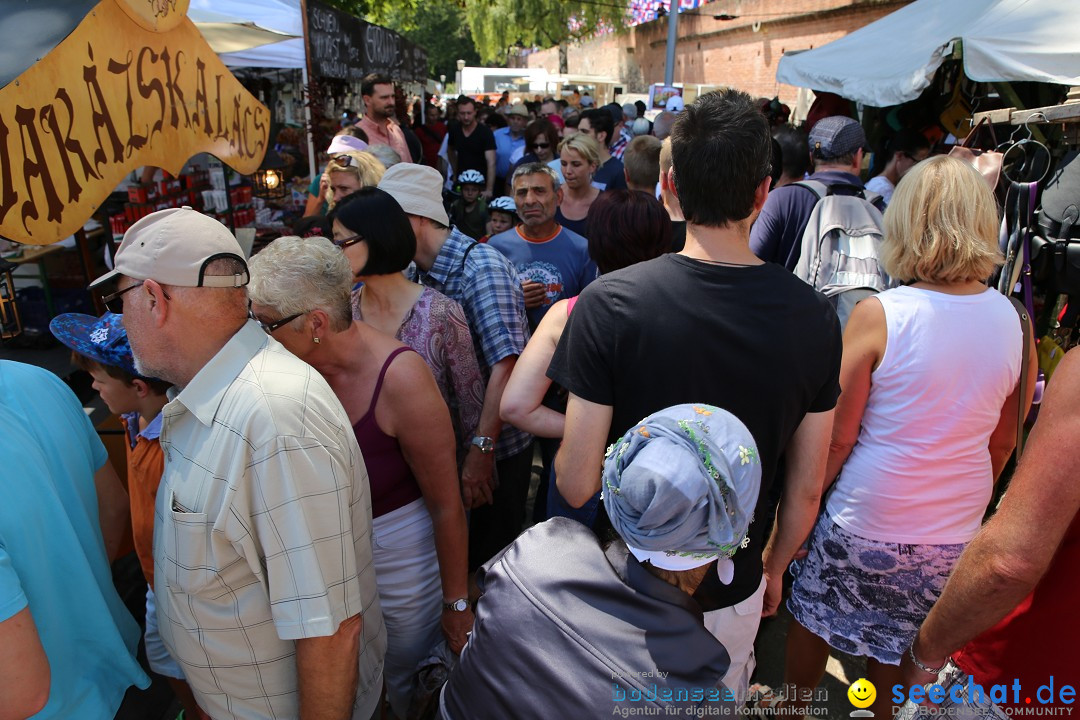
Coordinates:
[1055,250]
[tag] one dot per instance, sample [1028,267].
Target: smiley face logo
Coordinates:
[862,693]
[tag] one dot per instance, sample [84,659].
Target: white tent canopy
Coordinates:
[252,33]
[892,60]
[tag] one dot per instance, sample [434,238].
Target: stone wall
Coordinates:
[741,53]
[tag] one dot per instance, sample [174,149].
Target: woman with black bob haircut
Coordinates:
[378,240]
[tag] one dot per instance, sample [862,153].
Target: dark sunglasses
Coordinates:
[541,146]
[344,161]
[114,302]
[346,242]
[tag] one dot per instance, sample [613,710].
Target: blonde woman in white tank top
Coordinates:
[924,426]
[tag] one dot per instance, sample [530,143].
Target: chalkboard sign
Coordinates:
[347,48]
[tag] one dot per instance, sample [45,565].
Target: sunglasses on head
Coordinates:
[344,161]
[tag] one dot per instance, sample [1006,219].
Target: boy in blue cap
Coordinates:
[100,347]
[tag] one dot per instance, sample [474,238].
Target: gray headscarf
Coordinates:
[680,487]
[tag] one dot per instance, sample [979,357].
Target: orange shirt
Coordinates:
[145,464]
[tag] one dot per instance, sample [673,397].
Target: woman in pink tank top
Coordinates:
[300,292]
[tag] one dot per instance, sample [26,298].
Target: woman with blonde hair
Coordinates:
[350,171]
[924,425]
[579,156]
[300,293]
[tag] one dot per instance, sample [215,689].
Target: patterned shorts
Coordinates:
[866,597]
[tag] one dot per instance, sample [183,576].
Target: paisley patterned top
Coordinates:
[436,328]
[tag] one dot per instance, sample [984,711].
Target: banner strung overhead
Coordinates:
[134,84]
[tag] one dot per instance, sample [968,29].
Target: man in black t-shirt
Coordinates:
[712,324]
[471,145]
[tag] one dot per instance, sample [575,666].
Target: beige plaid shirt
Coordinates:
[263,531]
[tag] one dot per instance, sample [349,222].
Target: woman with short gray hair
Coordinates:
[300,293]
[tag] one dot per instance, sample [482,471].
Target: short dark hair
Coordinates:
[465,100]
[354,131]
[84,362]
[794,150]
[376,215]
[600,121]
[626,227]
[721,150]
[367,85]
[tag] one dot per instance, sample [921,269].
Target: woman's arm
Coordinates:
[522,401]
[864,346]
[412,410]
[1003,439]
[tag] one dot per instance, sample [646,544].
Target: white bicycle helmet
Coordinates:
[474,177]
[504,203]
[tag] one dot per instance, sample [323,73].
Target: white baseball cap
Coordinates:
[174,247]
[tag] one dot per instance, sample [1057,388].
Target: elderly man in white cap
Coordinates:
[598,626]
[495,477]
[262,536]
[508,140]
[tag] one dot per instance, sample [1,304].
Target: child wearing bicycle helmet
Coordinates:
[469,213]
[503,213]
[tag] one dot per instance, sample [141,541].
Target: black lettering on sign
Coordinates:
[134,142]
[100,117]
[154,86]
[65,146]
[237,131]
[222,128]
[260,128]
[35,168]
[200,98]
[174,89]
[8,198]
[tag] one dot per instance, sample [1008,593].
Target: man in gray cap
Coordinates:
[263,570]
[837,145]
[487,287]
[618,624]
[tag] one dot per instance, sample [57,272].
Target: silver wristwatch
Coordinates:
[459,605]
[486,444]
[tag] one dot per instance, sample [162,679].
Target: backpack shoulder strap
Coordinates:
[820,189]
[465,255]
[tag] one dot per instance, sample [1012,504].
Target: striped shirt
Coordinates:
[487,287]
[262,532]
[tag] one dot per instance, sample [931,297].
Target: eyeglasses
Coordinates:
[271,327]
[114,302]
[346,242]
[541,146]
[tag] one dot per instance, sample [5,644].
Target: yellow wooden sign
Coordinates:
[134,84]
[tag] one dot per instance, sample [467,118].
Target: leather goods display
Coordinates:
[987,162]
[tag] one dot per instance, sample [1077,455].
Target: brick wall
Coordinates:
[741,53]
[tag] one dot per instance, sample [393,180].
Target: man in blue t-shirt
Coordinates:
[553,262]
[67,643]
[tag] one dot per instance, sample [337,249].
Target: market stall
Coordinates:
[130,84]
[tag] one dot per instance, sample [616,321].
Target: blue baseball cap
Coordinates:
[103,340]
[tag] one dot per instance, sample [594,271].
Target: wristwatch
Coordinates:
[486,444]
[459,605]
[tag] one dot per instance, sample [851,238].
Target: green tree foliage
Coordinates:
[439,27]
[498,24]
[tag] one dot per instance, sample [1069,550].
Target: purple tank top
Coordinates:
[392,482]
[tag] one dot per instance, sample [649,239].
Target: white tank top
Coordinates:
[920,471]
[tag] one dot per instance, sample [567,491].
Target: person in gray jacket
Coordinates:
[572,626]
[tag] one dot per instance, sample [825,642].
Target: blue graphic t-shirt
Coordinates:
[561,263]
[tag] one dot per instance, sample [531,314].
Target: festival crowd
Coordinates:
[330,445]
